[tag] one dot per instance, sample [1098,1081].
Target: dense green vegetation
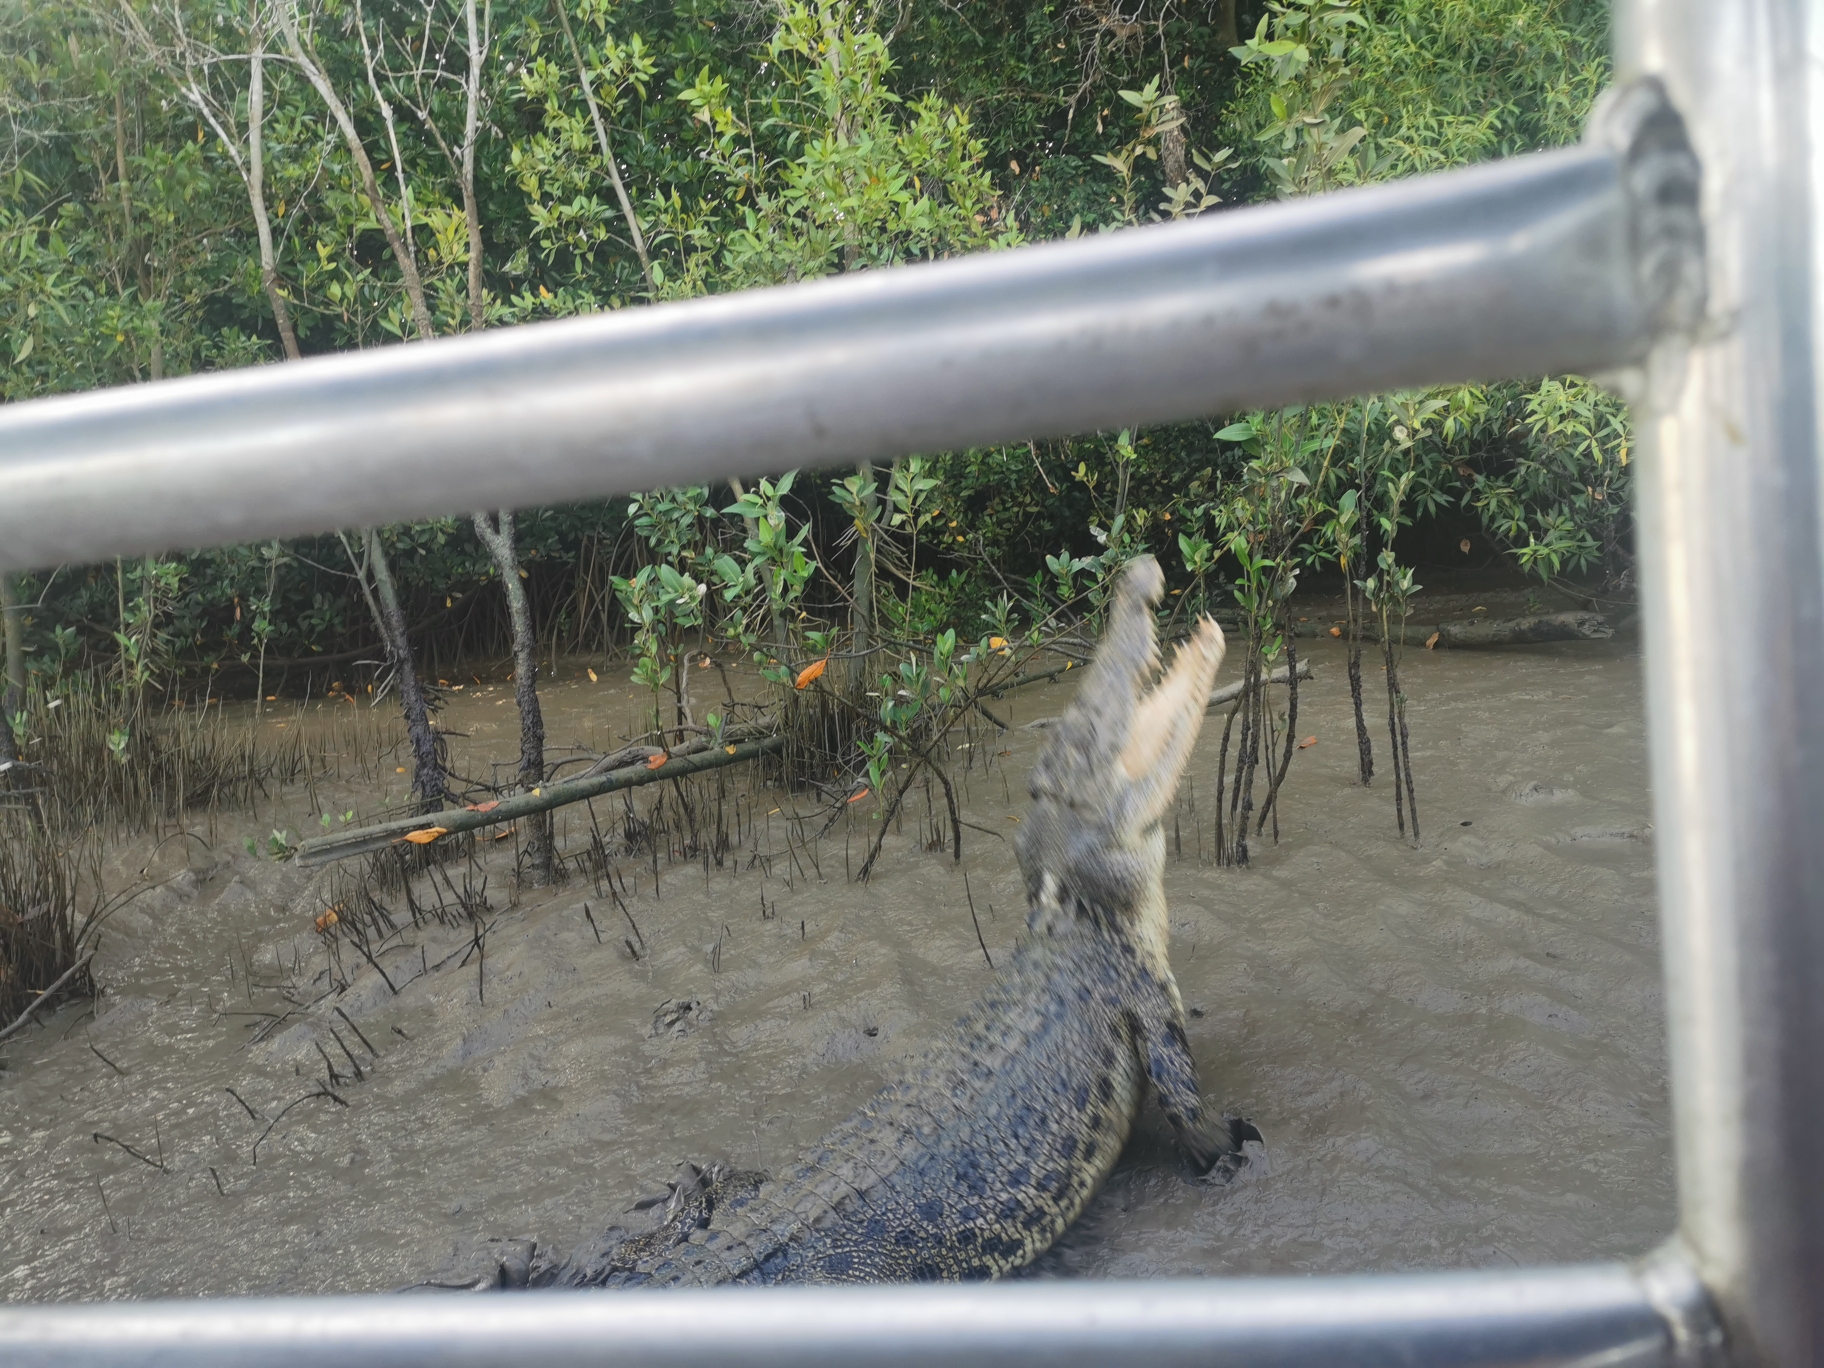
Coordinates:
[199,184]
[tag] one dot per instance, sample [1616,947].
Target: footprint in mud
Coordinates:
[677,1017]
[1611,833]
[1535,791]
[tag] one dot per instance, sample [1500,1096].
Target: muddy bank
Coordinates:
[1454,1052]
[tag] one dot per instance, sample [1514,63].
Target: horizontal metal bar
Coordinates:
[1606,1315]
[1520,267]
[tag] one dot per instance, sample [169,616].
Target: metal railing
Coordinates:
[1601,258]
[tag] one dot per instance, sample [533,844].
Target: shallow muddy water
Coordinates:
[1454,1052]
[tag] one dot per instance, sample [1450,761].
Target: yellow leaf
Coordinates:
[400,770]
[592,678]
[1431,642]
[995,643]
[425,835]
[811,673]
[729,749]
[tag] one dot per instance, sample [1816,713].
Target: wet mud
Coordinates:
[1455,1052]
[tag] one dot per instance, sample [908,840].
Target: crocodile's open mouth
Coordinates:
[1111,764]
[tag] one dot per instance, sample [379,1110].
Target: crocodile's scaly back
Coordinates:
[976,1160]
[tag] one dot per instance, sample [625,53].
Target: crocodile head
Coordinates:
[1110,768]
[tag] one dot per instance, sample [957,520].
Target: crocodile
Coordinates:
[972,1164]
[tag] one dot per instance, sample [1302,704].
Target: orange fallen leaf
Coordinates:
[811,673]
[483,807]
[730,749]
[502,835]
[425,835]
[400,770]
[1336,631]
[655,761]
[995,643]
[1431,642]
[1307,742]
[857,797]
[327,920]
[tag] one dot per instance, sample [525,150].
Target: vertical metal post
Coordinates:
[1733,583]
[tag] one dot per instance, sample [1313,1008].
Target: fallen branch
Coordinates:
[44,998]
[1478,633]
[1228,693]
[344,844]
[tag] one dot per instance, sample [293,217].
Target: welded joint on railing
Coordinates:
[1669,1279]
[1663,178]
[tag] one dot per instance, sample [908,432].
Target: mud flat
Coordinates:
[1455,1051]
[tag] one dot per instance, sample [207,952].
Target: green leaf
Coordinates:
[1236,432]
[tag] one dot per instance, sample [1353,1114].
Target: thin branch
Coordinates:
[601,138]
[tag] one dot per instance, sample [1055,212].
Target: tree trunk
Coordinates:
[501,550]
[1228,33]
[1364,744]
[256,193]
[471,130]
[428,779]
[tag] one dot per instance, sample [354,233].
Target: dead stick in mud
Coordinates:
[105,1060]
[244,1103]
[98,1137]
[353,1062]
[343,845]
[977,920]
[320,1092]
[44,998]
[357,1030]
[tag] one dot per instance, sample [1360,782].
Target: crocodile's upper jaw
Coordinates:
[1110,770]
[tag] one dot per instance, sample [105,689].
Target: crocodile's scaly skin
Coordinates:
[972,1164]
